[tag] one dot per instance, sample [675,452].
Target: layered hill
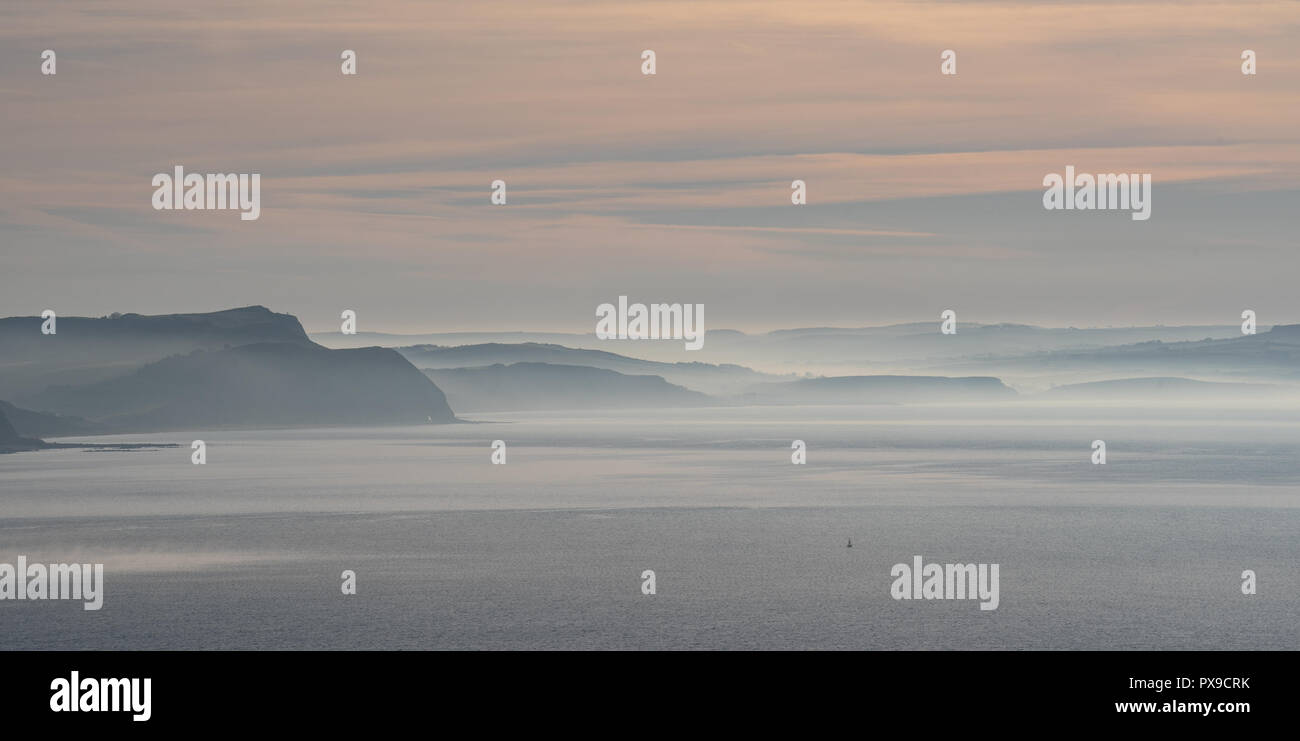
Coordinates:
[835,351]
[703,377]
[545,386]
[1271,356]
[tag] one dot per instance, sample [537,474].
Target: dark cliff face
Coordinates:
[86,350]
[11,441]
[36,424]
[264,384]
[7,432]
[243,325]
[247,367]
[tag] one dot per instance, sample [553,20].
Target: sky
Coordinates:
[924,190]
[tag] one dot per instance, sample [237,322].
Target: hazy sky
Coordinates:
[924,190]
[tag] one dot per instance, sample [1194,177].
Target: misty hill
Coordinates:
[713,379]
[86,350]
[263,384]
[913,347]
[540,386]
[897,348]
[11,441]
[438,339]
[39,424]
[1162,389]
[880,390]
[1271,355]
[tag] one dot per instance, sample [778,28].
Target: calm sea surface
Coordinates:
[749,551]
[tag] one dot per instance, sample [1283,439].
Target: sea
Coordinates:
[748,550]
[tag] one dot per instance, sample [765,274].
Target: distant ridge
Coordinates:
[243,324]
[1153,388]
[1269,356]
[542,386]
[704,377]
[880,390]
[840,351]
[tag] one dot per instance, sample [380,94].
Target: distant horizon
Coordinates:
[323,328]
[1262,327]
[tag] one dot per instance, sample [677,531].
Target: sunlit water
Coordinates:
[748,549]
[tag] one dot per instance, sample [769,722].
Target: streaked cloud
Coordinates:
[375,187]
